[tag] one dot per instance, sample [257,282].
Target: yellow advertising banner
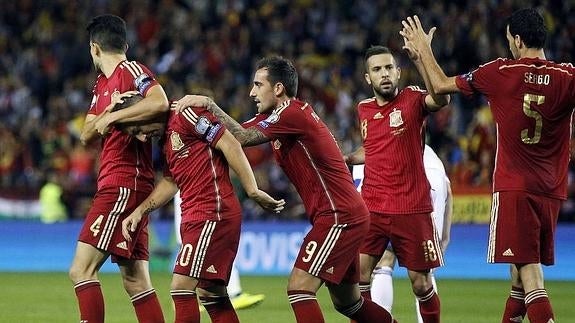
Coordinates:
[471,208]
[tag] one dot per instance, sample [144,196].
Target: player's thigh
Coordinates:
[87,261]
[102,226]
[522,228]
[377,238]
[415,242]
[331,250]
[209,248]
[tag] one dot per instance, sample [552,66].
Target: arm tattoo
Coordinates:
[246,137]
[251,137]
[152,205]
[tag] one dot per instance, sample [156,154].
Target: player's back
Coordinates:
[124,160]
[531,100]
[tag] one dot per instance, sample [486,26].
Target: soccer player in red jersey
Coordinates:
[125,178]
[532,100]
[395,188]
[307,152]
[198,150]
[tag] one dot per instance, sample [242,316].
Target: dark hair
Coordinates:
[109,32]
[280,70]
[530,26]
[128,101]
[375,50]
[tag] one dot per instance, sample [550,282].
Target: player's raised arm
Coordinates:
[433,101]
[419,41]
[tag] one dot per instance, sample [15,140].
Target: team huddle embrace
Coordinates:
[394,205]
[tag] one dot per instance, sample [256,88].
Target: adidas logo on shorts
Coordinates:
[212,269]
[508,253]
[122,245]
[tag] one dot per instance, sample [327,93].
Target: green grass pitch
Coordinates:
[48,297]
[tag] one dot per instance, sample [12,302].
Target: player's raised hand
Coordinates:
[410,49]
[415,37]
[130,224]
[191,100]
[268,202]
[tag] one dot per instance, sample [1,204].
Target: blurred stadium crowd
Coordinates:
[209,46]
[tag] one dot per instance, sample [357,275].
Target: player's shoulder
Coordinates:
[290,106]
[367,102]
[412,89]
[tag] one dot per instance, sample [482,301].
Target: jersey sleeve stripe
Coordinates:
[536,67]
[190,116]
[130,69]
[282,107]
[136,67]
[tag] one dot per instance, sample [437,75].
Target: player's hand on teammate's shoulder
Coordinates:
[191,100]
[267,202]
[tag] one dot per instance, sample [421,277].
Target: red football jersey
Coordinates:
[308,154]
[199,170]
[395,181]
[531,101]
[124,161]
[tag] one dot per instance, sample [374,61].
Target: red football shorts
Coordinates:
[209,248]
[522,228]
[413,237]
[330,250]
[103,225]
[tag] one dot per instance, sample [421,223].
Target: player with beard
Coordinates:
[395,188]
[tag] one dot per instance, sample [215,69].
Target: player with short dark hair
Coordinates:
[307,152]
[531,99]
[125,177]
[395,188]
[199,151]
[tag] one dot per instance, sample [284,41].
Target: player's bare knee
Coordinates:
[77,273]
[420,282]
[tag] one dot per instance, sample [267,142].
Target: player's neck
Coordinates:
[382,100]
[282,99]
[533,53]
[109,62]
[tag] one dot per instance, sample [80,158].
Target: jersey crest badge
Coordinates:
[395,119]
[176,142]
[277,144]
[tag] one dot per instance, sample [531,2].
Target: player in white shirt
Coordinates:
[382,284]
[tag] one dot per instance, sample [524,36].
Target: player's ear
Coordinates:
[518,42]
[279,89]
[398,72]
[367,79]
